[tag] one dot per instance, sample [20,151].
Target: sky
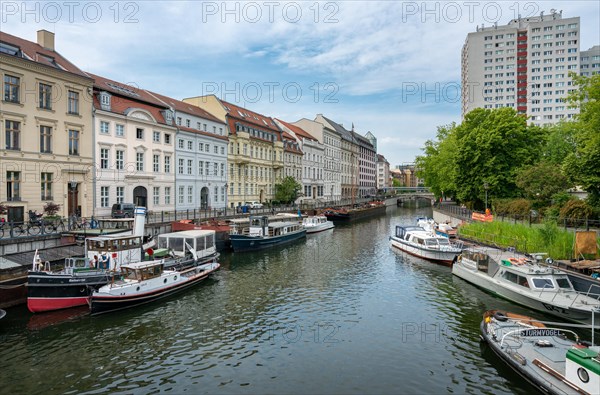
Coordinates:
[388,67]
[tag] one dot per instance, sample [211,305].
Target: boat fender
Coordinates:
[500,316]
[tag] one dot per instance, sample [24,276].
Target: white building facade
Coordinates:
[134,148]
[200,157]
[524,65]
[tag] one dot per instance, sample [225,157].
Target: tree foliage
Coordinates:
[541,181]
[287,190]
[581,165]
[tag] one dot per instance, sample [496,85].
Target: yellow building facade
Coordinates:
[46,139]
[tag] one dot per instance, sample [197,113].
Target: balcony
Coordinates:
[521,46]
[522,61]
[522,100]
[522,109]
[522,84]
[521,69]
[522,38]
[13,199]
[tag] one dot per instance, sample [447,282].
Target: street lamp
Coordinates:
[486,186]
[226,192]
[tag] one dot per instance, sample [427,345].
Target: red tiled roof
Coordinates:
[298,130]
[253,119]
[187,108]
[120,102]
[125,90]
[38,54]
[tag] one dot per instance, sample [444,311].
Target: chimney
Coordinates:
[45,39]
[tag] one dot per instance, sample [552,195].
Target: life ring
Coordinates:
[516,261]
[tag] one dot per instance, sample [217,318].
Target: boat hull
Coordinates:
[436,256]
[354,214]
[104,303]
[13,291]
[496,287]
[319,228]
[250,243]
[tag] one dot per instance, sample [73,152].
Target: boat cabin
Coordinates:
[197,241]
[417,235]
[142,271]
[109,252]
[314,221]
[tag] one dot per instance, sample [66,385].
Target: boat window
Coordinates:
[399,232]
[130,274]
[523,281]
[430,242]
[210,242]
[443,241]
[510,276]
[163,242]
[176,244]
[543,283]
[563,283]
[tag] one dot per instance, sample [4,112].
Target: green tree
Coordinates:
[437,166]
[560,142]
[287,190]
[582,165]
[492,145]
[397,183]
[541,181]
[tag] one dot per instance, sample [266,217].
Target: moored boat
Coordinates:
[316,223]
[144,282]
[543,356]
[523,281]
[346,214]
[425,244]
[74,283]
[259,233]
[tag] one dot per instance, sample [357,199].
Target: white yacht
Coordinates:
[523,281]
[316,223]
[425,244]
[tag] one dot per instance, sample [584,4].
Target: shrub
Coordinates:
[51,208]
[3,209]
[575,209]
[519,208]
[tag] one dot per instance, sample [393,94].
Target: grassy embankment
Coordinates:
[547,237]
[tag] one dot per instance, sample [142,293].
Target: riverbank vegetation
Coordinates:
[494,156]
[542,238]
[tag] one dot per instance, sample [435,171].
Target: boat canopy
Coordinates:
[180,242]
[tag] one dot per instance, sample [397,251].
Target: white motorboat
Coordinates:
[425,244]
[316,223]
[543,356]
[525,282]
[144,282]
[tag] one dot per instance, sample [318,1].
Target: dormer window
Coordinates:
[168,115]
[104,100]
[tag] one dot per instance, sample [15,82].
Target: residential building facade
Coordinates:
[383,172]
[292,157]
[332,153]
[312,163]
[46,129]
[367,167]
[135,148]
[590,61]
[200,157]
[256,147]
[524,65]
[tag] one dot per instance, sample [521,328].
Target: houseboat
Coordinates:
[259,233]
[316,223]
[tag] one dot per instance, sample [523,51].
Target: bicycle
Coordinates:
[54,226]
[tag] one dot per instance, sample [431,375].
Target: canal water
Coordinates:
[338,313]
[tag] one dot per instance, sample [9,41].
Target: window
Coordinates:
[215,169]
[156,196]
[120,160]
[46,186]
[139,134]
[45,139]
[156,136]
[179,121]
[167,164]
[104,191]
[120,130]
[180,167]
[223,151]
[104,127]
[73,107]
[13,135]
[156,163]
[187,123]
[222,170]
[180,143]
[12,86]
[207,147]
[167,138]
[189,166]
[104,158]
[190,194]
[13,186]
[167,195]
[120,194]
[200,147]
[216,194]
[204,127]
[216,150]
[190,145]
[180,195]
[73,142]
[200,168]
[543,283]
[45,93]
[139,161]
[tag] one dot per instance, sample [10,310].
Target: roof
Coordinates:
[126,97]
[346,134]
[33,52]
[202,132]
[297,130]
[290,144]
[240,115]
[187,233]
[187,108]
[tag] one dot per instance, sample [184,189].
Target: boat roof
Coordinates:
[411,228]
[282,224]
[142,265]
[113,237]
[187,233]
